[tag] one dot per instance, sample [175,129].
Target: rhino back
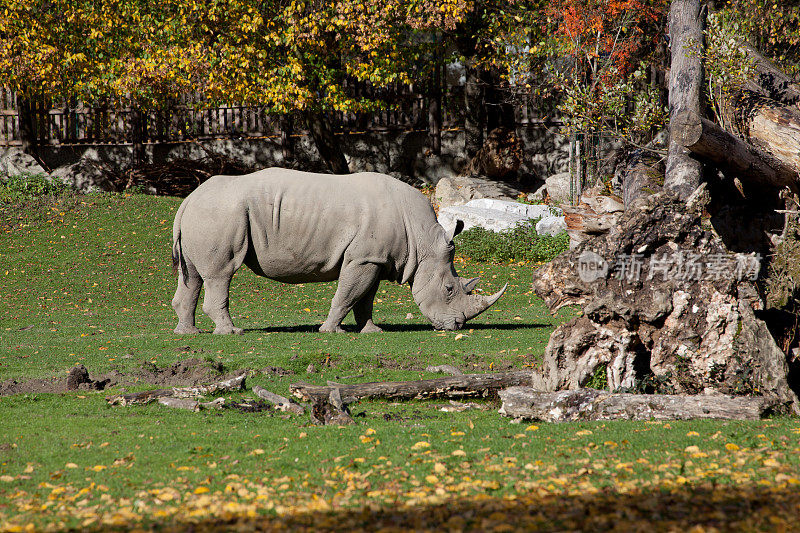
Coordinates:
[300,227]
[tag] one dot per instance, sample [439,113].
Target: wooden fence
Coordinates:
[189,118]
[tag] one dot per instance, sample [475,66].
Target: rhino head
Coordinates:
[443,297]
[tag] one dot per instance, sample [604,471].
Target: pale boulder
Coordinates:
[461,189]
[13,161]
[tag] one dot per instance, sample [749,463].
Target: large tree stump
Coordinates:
[666,308]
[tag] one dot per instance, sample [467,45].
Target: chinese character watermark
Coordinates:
[677,266]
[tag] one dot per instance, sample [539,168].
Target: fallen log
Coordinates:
[591,404]
[451,386]
[765,123]
[768,80]
[139,398]
[730,154]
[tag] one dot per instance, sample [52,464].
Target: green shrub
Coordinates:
[521,243]
[23,187]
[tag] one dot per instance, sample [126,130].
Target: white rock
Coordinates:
[85,175]
[515,208]
[491,219]
[551,225]
[460,190]
[558,187]
[13,161]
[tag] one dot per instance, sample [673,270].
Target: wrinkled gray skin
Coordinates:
[299,227]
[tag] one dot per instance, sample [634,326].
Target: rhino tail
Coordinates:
[178,261]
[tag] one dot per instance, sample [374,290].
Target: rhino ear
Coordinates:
[456,230]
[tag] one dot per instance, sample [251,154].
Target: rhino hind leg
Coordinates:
[185,301]
[362,312]
[356,281]
[215,305]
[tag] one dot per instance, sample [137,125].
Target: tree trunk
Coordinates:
[685,81]
[452,386]
[26,108]
[435,105]
[591,404]
[474,113]
[329,148]
[287,142]
[733,156]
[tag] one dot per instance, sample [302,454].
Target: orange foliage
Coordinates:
[612,29]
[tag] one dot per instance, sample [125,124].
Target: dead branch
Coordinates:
[280,403]
[139,398]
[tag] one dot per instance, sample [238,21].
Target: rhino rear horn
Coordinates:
[477,304]
[469,284]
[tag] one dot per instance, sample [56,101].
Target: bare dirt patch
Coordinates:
[186,373]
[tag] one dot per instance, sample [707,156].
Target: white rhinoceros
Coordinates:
[299,227]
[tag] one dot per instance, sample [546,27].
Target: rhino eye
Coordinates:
[449,289]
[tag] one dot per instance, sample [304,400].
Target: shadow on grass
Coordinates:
[720,508]
[398,327]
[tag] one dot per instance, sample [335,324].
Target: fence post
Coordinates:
[572,169]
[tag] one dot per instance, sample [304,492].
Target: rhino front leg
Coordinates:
[362,311]
[215,305]
[355,282]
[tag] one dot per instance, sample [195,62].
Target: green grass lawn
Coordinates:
[88,280]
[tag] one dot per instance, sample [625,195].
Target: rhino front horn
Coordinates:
[478,304]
